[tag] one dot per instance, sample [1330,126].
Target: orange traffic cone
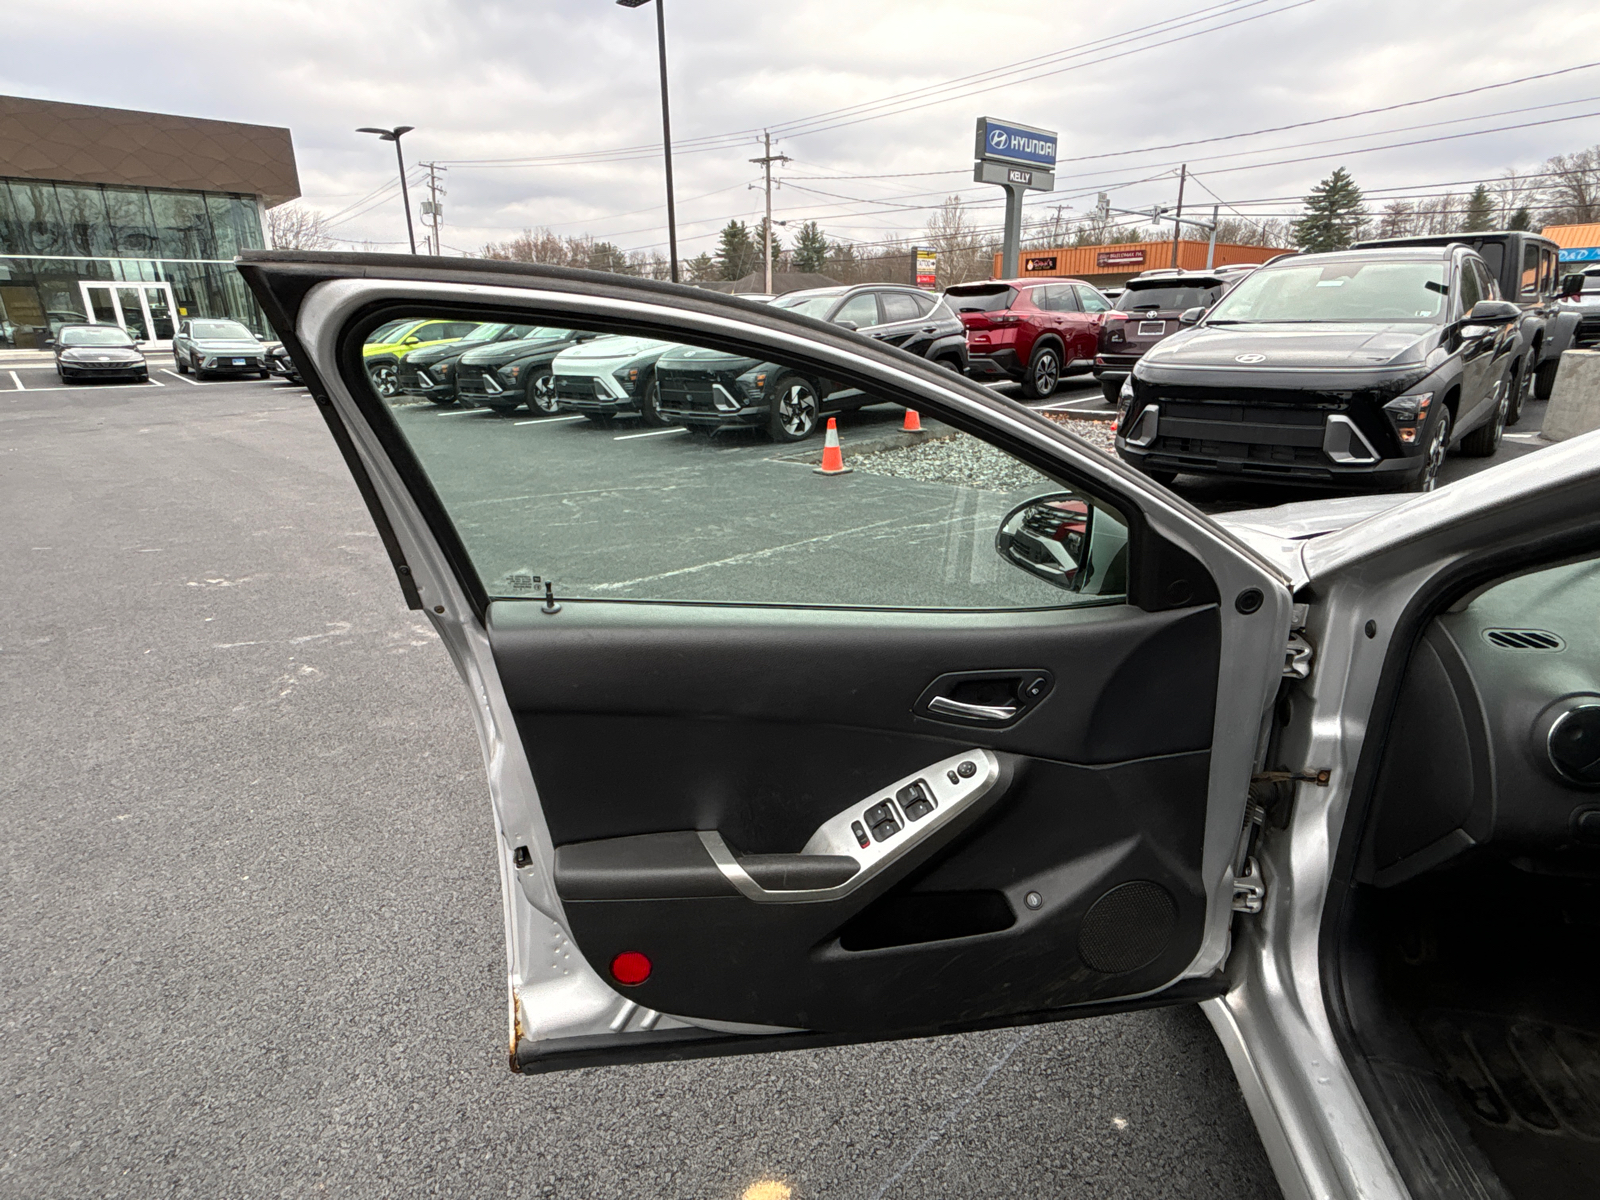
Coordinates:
[832,456]
[913,423]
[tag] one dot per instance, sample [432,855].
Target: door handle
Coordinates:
[929,328]
[973,712]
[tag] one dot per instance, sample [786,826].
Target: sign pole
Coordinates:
[1021,159]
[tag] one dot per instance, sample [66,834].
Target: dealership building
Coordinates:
[130,218]
[1113,265]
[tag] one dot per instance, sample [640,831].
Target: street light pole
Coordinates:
[666,127]
[394,135]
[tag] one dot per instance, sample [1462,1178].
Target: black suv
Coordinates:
[507,375]
[430,371]
[1527,269]
[1360,367]
[711,390]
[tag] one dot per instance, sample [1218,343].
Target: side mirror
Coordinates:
[850,325]
[1048,536]
[413,340]
[1493,312]
[1571,285]
[1191,316]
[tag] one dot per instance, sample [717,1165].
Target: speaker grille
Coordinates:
[1128,927]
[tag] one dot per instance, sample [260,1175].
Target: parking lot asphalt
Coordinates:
[250,927]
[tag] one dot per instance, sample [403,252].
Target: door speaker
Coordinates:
[1128,927]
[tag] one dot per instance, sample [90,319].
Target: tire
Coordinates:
[385,376]
[1438,446]
[796,410]
[266,374]
[1544,380]
[1521,385]
[950,364]
[1111,390]
[178,359]
[1483,441]
[444,401]
[650,406]
[1044,372]
[542,400]
[198,371]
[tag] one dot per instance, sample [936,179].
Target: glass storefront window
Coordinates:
[237,223]
[11,238]
[83,213]
[133,229]
[182,225]
[38,218]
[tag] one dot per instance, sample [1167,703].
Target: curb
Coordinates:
[932,431]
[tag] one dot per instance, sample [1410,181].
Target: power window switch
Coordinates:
[878,813]
[884,830]
[913,792]
[918,809]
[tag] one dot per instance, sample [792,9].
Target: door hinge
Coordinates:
[1297,655]
[1320,778]
[1249,893]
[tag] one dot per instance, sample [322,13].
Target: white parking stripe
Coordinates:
[464,412]
[550,420]
[650,433]
[185,378]
[17,379]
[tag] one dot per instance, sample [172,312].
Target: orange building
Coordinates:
[1579,243]
[1112,266]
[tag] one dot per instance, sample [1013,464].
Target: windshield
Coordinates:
[808,304]
[989,299]
[221,329]
[1344,291]
[495,332]
[95,337]
[384,332]
[1148,299]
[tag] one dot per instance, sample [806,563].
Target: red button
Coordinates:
[630,968]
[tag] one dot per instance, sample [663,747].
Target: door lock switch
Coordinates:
[860,831]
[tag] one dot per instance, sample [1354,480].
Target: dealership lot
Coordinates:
[252,925]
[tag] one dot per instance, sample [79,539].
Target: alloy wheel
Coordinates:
[385,379]
[1433,457]
[1520,387]
[542,394]
[797,410]
[1046,373]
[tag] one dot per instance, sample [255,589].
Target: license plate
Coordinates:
[238,362]
[1152,328]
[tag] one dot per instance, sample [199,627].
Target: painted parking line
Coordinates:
[107,386]
[17,379]
[464,412]
[551,420]
[185,378]
[650,433]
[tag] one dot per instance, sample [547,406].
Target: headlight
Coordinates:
[626,376]
[1126,393]
[444,369]
[512,371]
[1408,414]
[753,382]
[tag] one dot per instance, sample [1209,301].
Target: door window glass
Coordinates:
[629,468]
[1530,272]
[898,306]
[1092,301]
[924,302]
[862,309]
[1471,289]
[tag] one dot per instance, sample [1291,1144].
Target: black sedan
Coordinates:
[507,375]
[99,352]
[709,390]
[1360,368]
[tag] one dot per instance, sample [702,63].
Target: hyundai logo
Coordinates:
[1249,358]
[997,138]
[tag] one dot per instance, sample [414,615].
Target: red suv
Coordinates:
[1029,330]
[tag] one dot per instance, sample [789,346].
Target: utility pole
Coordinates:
[430,207]
[1177,214]
[1211,250]
[766,162]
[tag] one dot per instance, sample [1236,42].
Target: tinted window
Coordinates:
[808,304]
[981,299]
[1092,301]
[606,515]
[1494,257]
[1167,297]
[861,308]
[108,336]
[1471,286]
[1058,297]
[1530,272]
[220,329]
[899,306]
[924,303]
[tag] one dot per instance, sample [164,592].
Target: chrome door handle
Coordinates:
[973,712]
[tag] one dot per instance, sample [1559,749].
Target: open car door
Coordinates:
[779,758]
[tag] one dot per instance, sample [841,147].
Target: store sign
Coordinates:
[1119,258]
[1006,141]
[927,268]
[1581,254]
[1047,263]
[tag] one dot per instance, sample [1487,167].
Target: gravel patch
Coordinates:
[967,462]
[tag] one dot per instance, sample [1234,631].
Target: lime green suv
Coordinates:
[388,344]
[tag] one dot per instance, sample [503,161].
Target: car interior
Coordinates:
[1466,953]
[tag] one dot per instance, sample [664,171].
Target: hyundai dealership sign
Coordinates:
[1006,141]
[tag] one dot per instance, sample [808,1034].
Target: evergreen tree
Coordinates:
[607,256]
[1333,215]
[1480,211]
[736,254]
[810,249]
[758,238]
[700,269]
[1521,219]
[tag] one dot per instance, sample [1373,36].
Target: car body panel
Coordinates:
[573,1014]
[219,355]
[1001,342]
[120,359]
[607,375]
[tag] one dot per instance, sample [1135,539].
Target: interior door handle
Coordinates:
[973,712]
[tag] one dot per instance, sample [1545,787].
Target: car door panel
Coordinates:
[757,724]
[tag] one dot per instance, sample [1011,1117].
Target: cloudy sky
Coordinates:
[548,110]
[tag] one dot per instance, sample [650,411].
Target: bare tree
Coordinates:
[1242,231]
[1398,219]
[963,254]
[1572,187]
[1514,193]
[295,226]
